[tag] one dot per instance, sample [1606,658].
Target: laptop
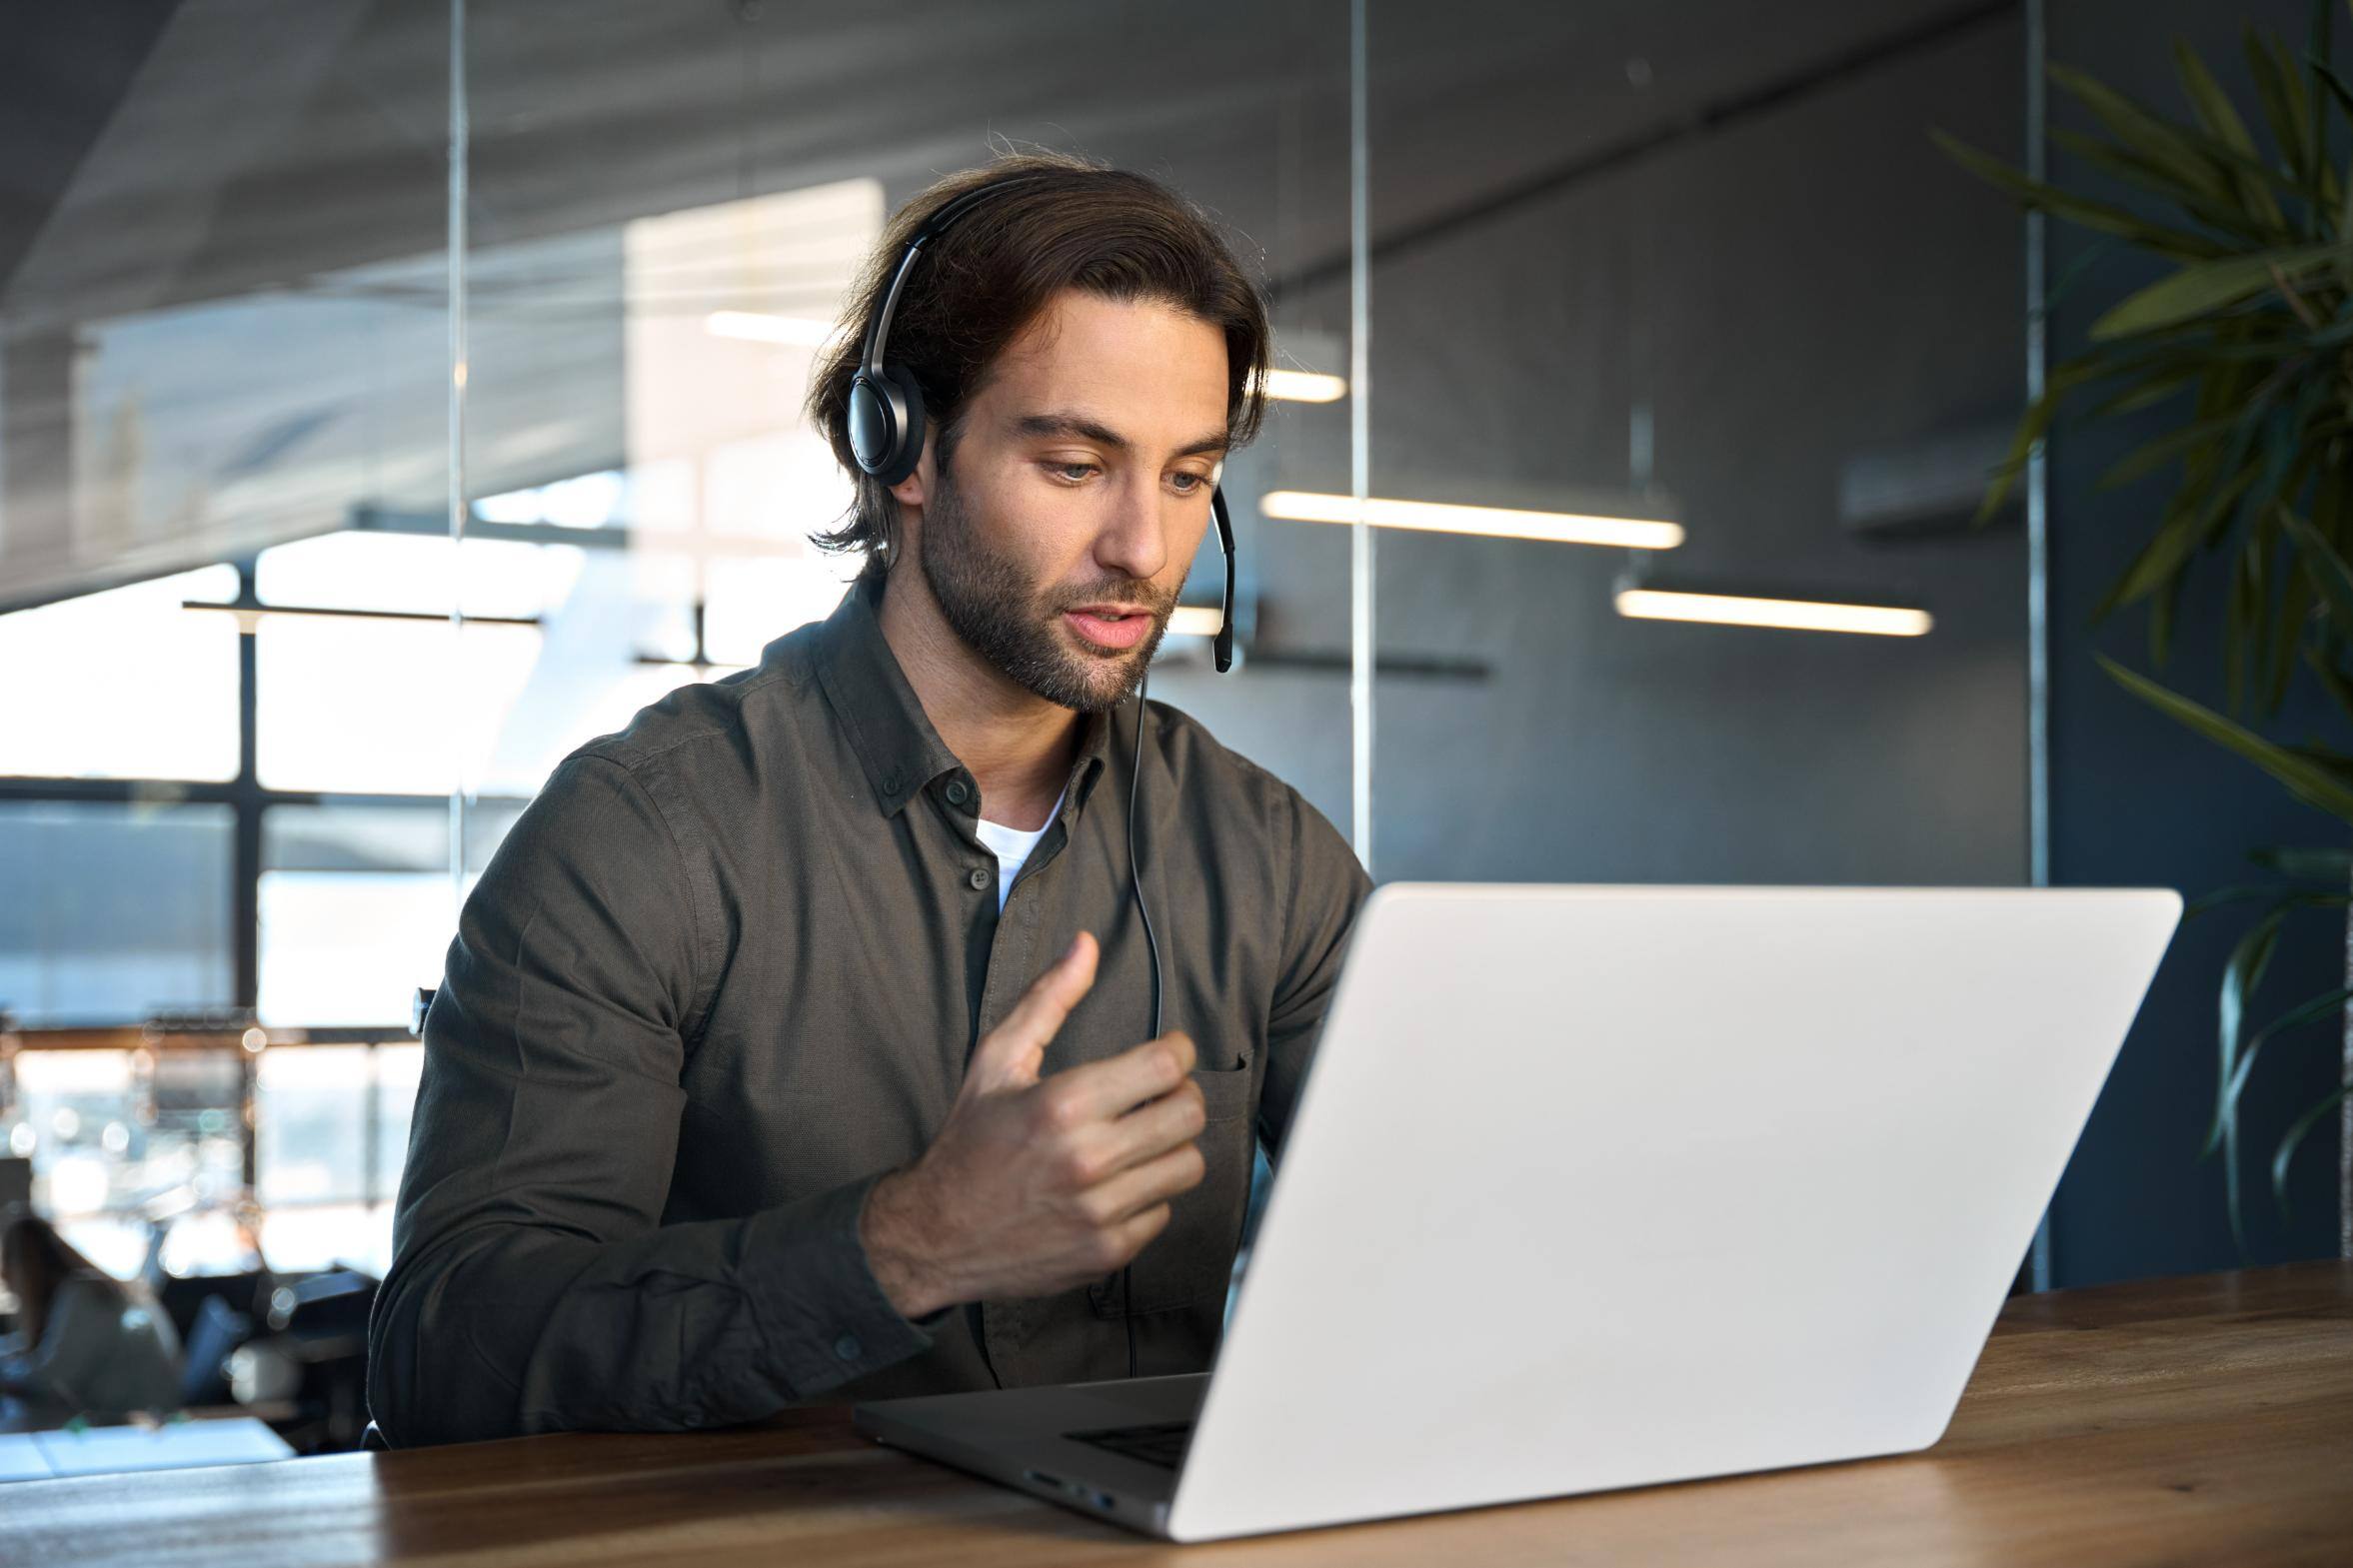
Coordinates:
[1601,1186]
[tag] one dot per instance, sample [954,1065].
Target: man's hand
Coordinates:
[1034,1186]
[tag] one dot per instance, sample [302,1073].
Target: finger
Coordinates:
[1139,1187]
[1010,1055]
[1099,1090]
[1146,1132]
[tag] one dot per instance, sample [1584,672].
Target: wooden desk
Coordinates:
[2206,1419]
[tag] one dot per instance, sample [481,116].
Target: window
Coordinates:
[114,912]
[357,909]
[138,688]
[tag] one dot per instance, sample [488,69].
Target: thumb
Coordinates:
[1010,1055]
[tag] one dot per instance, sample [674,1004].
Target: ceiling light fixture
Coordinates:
[1305,386]
[792,332]
[251,615]
[1794,615]
[1561,528]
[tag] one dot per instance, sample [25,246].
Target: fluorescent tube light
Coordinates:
[250,616]
[1564,528]
[1796,615]
[1196,621]
[793,332]
[1305,386]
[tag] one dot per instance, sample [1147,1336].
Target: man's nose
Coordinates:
[1135,540]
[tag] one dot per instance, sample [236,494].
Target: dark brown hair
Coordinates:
[35,1260]
[1070,224]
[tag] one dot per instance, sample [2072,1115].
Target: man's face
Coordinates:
[1081,491]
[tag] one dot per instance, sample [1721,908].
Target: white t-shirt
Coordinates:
[1011,846]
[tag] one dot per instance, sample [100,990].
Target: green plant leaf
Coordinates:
[2308,1012]
[2160,563]
[2327,570]
[2202,288]
[2281,97]
[2156,453]
[2319,179]
[2237,894]
[2214,111]
[2332,679]
[2310,782]
[2256,219]
[2320,865]
[2242,974]
[2166,146]
[2345,238]
[2238,616]
[2213,105]
[2295,613]
[2336,762]
[2326,74]
[2286,462]
[2332,505]
[2164,615]
[2033,425]
[2295,1136]
[2105,216]
[2077,270]
[2138,394]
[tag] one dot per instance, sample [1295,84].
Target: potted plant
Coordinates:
[2248,338]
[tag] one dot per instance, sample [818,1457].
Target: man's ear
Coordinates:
[910,491]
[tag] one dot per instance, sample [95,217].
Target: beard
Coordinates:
[988,600]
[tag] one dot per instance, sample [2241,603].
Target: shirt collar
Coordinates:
[896,744]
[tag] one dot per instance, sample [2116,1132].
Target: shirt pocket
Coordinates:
[1191,1260]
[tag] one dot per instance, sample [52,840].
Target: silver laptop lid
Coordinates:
[1606,1186]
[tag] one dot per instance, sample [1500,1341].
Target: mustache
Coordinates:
[1120,591]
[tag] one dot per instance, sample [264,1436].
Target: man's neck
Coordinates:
[1019,746]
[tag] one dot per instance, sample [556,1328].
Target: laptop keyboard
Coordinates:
[1161,1443]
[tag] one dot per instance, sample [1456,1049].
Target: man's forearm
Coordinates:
[890,1228]
[511,1329]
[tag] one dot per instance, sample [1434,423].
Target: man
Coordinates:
[789,1046]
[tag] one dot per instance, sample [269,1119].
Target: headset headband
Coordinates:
[879,332]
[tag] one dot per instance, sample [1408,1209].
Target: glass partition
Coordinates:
[661,220]
[223,329]
[386,413]
[1704,275]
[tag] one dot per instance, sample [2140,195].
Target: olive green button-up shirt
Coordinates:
[727,969]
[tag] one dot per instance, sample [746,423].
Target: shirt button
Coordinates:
[847,1347]
[979,877]
[892,780]
[956,791]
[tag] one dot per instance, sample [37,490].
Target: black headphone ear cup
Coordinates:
[910,450]
[875,419]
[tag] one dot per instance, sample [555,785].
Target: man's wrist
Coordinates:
[894,1250]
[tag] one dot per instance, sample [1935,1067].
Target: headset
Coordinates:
[884,424]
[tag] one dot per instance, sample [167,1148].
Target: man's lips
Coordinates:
[1093,623]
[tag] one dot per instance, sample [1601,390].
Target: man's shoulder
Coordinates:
[708,730]
[1199,760]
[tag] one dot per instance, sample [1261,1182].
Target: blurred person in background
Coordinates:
[88,1345]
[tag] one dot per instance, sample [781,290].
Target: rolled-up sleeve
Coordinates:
[533,1287]
[1327,886]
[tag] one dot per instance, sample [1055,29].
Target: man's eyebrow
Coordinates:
[1080,426]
